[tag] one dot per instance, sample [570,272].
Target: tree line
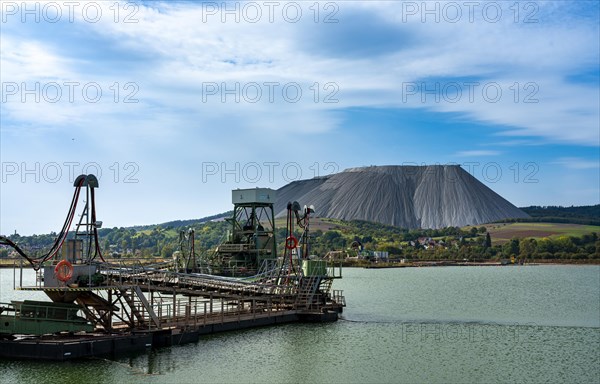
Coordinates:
[451,243]
[586,215]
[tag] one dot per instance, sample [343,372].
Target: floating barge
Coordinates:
[102,309]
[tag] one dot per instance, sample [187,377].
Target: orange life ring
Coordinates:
[63,271]
[291,242]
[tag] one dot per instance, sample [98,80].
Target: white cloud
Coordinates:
[478,153]
[578,163]
[171,52]
[190,46]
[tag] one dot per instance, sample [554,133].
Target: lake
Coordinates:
[528,324]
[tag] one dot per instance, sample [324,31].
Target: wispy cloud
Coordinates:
[219,85]
[477,153]
[518,69]
[578,163]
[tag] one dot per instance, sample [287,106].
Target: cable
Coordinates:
[36,262]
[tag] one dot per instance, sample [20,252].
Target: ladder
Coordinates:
[306,291]
[132,307]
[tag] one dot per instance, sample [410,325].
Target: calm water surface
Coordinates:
[532,324]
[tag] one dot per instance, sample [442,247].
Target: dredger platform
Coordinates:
[105,309]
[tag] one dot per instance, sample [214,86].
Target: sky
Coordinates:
[174,104]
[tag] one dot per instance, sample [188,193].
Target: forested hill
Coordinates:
[587,215]
[184,223]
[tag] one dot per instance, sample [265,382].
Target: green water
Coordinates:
[415,325]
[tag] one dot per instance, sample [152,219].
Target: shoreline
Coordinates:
[416,264]
[446,263]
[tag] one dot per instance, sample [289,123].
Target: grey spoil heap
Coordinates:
[434,196]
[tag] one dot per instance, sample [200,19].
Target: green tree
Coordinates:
[511,248]
[546,246]
[167,251]
[488,241]
[106,246]
[565,244]
[527,248]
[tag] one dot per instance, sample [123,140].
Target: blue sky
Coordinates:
[174,104]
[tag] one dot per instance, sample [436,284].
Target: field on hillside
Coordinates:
[500,232]
[503,232]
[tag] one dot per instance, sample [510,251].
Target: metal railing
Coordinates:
[142,275]
[184,313]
